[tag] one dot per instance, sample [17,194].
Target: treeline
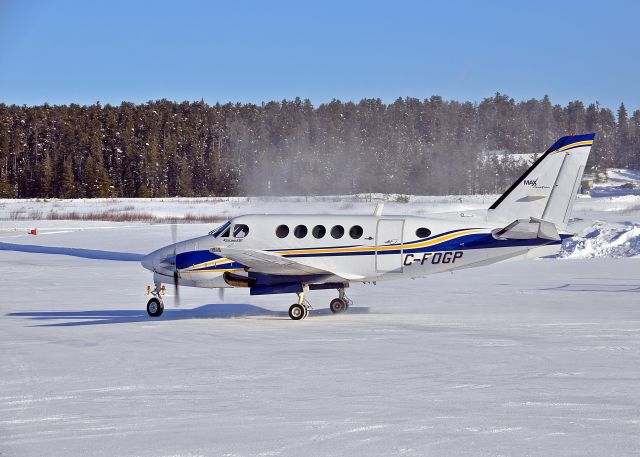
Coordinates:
[413,146]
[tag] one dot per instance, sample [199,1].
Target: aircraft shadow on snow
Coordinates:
[75,252]
[210,311]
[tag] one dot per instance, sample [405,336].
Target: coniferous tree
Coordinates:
[68,182]
[6,189]
[44,177]
[623,150]
[97,180]
[634,140]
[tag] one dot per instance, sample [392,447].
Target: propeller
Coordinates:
[176,277]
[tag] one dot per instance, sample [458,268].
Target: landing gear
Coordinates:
[155,307]
[340,304]
[300,310]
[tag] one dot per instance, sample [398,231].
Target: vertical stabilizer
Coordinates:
[547,190]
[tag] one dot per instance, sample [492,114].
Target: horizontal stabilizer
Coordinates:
[546,230]
[523,229]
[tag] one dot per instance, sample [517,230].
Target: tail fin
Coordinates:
[548,188]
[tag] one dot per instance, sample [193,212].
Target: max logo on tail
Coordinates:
[533,183]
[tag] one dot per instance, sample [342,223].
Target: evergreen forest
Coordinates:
[411,146]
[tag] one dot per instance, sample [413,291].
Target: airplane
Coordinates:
[295,253]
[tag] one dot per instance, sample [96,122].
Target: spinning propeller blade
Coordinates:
[176,277]
[176,288]
[174,232]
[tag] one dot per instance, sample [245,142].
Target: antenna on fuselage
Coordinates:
[378,210]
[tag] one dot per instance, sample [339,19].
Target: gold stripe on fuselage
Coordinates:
[414,245]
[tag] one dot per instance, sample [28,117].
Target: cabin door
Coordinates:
[389,245]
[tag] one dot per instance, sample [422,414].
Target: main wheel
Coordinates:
[155,307]
[338,305]
[297,312]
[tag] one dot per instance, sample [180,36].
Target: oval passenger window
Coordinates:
[319,231]
[282,231]
[423,232]
[355,232]
[337,231]
[300,231]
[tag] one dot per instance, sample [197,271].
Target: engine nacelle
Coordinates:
[235,280]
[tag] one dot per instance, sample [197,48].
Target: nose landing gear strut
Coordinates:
[155,306]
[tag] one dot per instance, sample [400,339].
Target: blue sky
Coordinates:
[251,51]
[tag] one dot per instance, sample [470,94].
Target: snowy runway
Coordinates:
[537,358]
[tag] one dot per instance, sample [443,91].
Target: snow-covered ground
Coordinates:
[530,358]
[224,208]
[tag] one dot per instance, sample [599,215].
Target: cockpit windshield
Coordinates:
[221,230]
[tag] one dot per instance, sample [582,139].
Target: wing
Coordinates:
[275,264]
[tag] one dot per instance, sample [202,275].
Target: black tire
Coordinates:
[155,307]
[338,305]
[297,312]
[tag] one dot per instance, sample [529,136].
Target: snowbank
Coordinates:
[604,239]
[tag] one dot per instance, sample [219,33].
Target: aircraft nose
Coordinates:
[160,259]
[163,260]
[149,261]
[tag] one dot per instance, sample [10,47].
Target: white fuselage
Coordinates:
[358,248]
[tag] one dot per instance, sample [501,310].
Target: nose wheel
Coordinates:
[155,307]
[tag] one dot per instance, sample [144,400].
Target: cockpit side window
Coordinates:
[240,230]
[223,230]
